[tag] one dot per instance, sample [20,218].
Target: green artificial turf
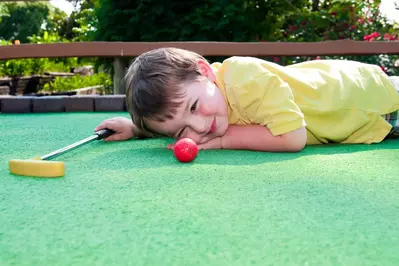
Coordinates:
[132,203]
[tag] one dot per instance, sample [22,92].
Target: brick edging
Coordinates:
[81,103]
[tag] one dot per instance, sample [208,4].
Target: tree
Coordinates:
[58,22]
[18,21]
[85,21]
[197,20]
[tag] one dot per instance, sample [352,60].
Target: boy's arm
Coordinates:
[259,138]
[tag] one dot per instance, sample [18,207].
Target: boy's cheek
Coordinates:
[209,108]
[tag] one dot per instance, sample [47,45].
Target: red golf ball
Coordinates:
[185,150]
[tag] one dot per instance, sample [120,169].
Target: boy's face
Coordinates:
[202,115]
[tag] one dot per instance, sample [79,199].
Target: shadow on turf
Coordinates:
[140,156]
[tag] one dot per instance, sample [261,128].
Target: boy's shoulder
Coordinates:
[243,61]
[238,70]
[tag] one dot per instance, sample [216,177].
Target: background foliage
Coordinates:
[193,20]
[76,82]
[248,20]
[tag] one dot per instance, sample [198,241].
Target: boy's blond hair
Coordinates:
[154,83]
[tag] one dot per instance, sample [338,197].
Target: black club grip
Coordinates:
[103,133]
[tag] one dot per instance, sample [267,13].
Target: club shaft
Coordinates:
[68,148]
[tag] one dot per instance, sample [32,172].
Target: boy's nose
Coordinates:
[198,125]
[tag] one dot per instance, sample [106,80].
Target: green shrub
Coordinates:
[63,84]
[31,66]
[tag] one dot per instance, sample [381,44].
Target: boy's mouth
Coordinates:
[213,126]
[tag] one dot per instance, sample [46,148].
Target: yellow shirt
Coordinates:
[338,101]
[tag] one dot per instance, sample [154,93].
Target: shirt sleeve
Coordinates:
[264,98]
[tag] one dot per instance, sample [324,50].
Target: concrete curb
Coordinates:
[76,103]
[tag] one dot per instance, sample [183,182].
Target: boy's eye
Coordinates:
[194,106]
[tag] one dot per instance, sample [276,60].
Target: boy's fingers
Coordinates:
[101,126]
[203,147]
[115,137]
[107,124]
[170,146]
[119,136]
[210,144]
[98,128]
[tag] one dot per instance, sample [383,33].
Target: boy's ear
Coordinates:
[206,70]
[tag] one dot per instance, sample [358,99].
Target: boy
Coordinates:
[248,103]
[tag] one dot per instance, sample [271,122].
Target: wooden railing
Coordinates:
[117,50]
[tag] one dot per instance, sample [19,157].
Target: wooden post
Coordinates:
[119,71]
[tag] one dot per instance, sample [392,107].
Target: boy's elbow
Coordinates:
[297,146]
[296,141]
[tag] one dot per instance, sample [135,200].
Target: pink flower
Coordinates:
[375,34]
[389,37]
[371,36]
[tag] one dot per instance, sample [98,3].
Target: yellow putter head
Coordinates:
[37,168]
[41,167]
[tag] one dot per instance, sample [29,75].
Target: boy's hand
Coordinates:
[212,144]
[123,127]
